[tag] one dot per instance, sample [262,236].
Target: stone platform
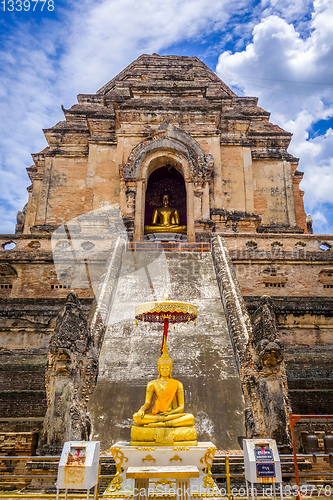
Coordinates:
[173,472]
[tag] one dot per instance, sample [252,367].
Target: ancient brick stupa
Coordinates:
[164,156]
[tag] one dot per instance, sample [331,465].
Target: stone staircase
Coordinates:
[203,355]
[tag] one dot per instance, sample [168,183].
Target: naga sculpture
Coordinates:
[265,382]
[72,367]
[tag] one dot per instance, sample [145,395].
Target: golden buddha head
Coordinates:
[165,200]
[164,363]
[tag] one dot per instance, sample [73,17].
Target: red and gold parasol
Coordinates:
[166,312]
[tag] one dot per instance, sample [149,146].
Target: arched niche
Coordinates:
[166,179]
[151,163]
[172,145]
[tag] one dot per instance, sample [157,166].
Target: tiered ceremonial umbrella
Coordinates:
[166,312]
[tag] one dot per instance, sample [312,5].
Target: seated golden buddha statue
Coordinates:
[165,219]
[166,423]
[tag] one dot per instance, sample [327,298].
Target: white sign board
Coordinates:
[261,461]
[79,465]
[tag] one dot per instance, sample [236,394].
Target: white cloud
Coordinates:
[117,32]
[321,223]
[279,57]
[294,11]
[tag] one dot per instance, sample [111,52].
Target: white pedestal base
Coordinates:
[172,472]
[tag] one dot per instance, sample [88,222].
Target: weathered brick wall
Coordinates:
[22,385]
[269,192]
[15,444]
[306,329]
[298,275]
[281,265]
[25,329]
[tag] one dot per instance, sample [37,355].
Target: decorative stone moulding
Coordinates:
[251,245]
[176,140]
[34,244]
[279,228]
[276,246]
[44,228]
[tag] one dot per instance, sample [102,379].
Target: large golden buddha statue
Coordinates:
[165,219]
[166,423]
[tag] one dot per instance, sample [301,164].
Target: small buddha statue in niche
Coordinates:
[165,219]
[166,423]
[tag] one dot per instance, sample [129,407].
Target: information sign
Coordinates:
[261,464]
[262,454]
[265,469]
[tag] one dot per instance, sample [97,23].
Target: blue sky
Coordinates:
[278,50]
